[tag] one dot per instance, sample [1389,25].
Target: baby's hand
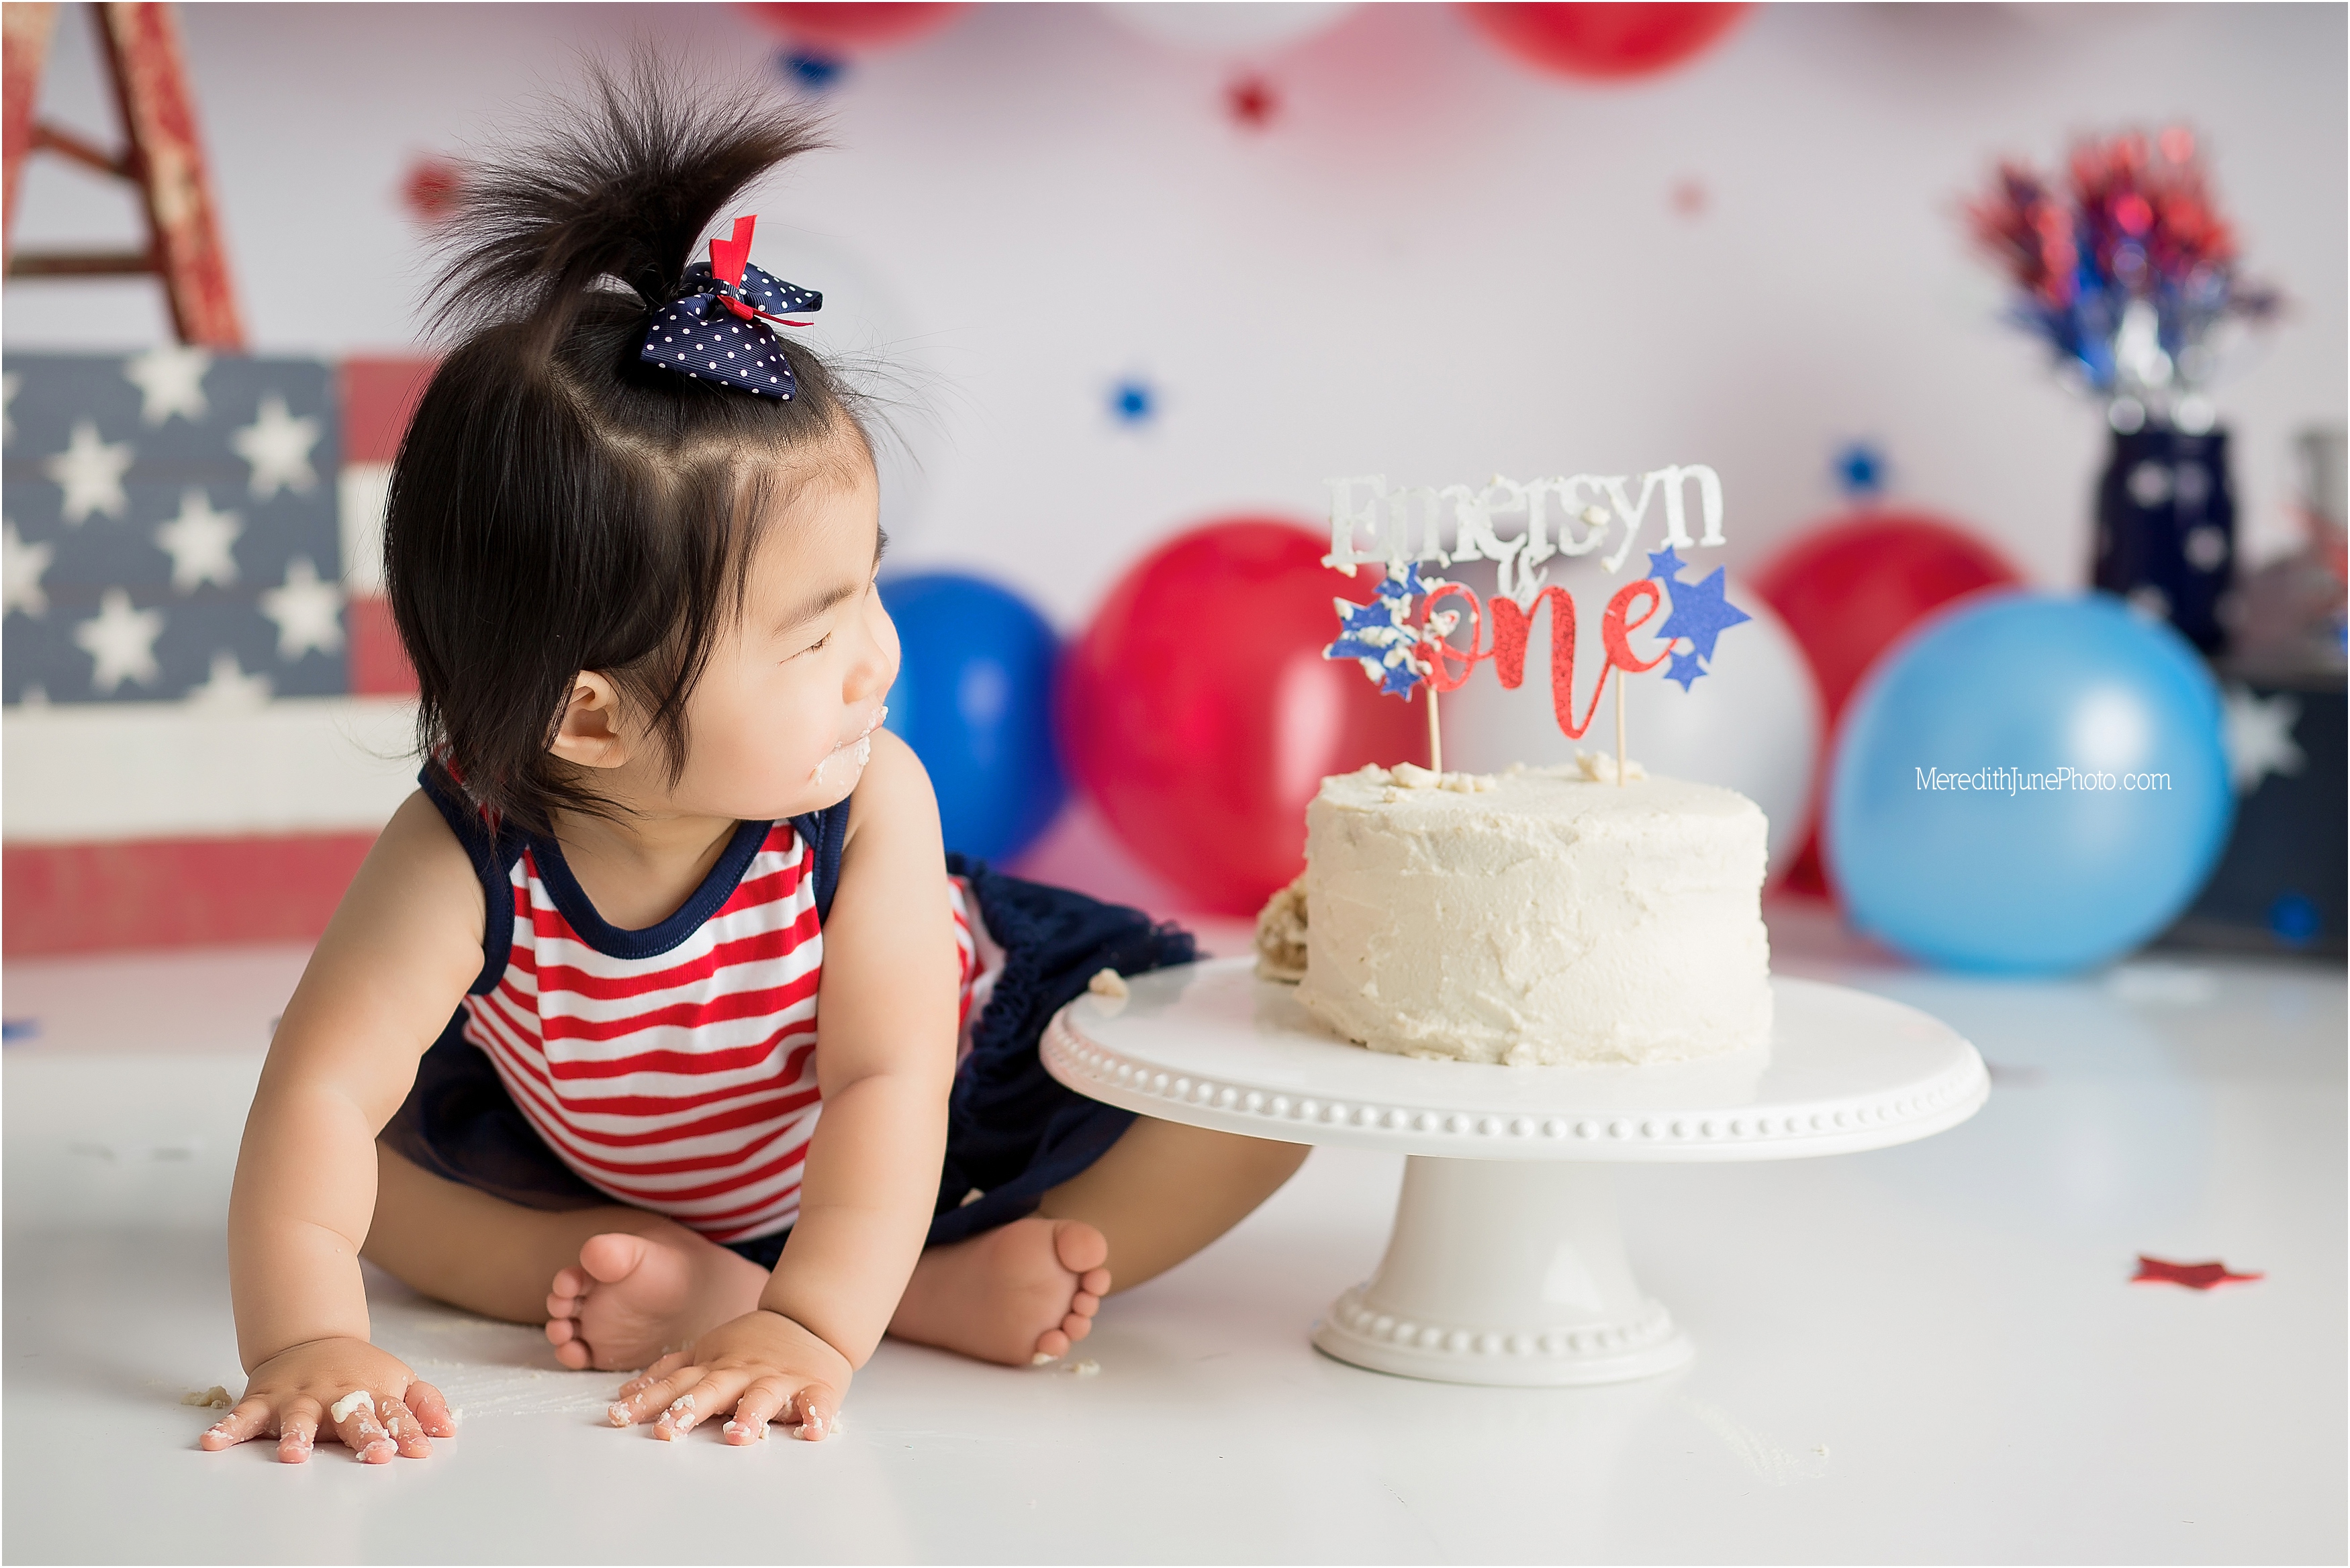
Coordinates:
[762,1365]
[370,1403]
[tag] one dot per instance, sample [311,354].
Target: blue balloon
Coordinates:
[974,699]
[2027,785]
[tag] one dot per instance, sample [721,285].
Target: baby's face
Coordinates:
[780,718]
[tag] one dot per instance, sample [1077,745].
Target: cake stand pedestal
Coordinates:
[1506,1264]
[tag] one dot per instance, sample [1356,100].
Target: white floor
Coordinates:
[1929,1353]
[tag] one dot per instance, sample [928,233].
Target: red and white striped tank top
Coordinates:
[682,1080]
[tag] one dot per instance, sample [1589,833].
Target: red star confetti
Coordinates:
[1252,103]
[2194,1276]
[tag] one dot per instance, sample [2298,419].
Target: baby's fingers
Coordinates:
[431,1411]
[247,1421]
[355,1423]
[297,1431]
[648,1394]
[813,1412]
[714,1394]
[760,1404]
[407,1433]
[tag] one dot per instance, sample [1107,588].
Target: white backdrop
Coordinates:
[1433,263]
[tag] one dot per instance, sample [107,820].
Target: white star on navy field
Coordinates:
[90,471]
[120,642]
[230,688]
[278,446]
[22,566]
[171,380]
[201,543]
[2257,734]
[308,612]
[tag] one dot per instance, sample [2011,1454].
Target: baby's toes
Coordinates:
[572,1352]
[1076,1327]
[1053,1343]
[1085,1304]
[1095,1283]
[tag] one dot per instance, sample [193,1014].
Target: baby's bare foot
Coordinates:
[633,1296]
[1022,1292]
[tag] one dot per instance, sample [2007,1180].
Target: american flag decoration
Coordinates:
[171,530]
[718,331]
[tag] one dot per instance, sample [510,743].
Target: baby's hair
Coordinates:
[559,505]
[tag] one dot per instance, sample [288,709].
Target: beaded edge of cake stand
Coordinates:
[1653,1327]
[1098,1064]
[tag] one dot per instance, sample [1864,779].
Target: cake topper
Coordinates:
[1400,655]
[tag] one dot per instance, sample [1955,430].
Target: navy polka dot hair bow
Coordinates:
[713,331]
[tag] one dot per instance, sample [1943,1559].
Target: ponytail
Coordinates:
[559,505]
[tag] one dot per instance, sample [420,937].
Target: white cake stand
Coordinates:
[1506,1265]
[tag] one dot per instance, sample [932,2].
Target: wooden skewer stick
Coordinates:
[1435,735]
[1620,729]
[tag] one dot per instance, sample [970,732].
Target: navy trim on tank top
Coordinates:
[493,859]
[572,902]
[825,831]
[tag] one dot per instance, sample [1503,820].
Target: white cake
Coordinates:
[1537,917]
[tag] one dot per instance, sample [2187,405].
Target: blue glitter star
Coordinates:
[1701,614]
[1377,634]
[1685,668]
[1860,469]
[1665,565]
[1402,582]
[1133,402]
[1402,677]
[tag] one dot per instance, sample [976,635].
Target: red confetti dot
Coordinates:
[1690,198]
[1252,103]
[2194,1276]
[433,188]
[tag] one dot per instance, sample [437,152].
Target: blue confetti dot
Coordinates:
[2295,919]
[1133,402]
[1860,469]
[811,70]
[12,1030]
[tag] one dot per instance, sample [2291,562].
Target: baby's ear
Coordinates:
[590,733]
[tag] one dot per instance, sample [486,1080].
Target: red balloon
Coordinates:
[1848,589]
[856,24]
[1606,43]
[1198,713]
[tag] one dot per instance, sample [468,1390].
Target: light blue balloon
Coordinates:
[2027,785]
[974,699]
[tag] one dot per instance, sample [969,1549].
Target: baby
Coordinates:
[659,1015]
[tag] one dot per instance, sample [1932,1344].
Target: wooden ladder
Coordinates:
[162,156]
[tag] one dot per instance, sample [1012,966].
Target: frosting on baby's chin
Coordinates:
[844,764]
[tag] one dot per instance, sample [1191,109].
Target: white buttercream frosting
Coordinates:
[1537,917]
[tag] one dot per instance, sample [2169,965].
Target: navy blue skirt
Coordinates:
[1012,1132]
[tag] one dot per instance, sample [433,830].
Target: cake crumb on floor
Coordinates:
[212,1398]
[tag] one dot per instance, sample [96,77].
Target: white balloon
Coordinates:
[1750,723]
[1223,26]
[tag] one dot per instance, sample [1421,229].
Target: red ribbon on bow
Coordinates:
[728,257]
